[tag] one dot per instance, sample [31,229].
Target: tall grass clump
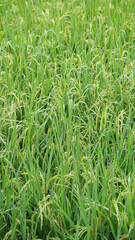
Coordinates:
[67,132]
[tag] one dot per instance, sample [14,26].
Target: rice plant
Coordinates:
[67,131]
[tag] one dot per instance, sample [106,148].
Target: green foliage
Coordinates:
[67,166]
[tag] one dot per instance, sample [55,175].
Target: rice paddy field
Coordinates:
[67,111]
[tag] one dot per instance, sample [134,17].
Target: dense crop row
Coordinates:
[67,108]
